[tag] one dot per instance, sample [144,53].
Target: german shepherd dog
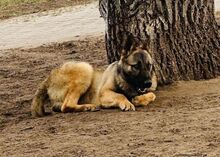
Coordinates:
[76,86]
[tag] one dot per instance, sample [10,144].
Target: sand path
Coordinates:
[54,26]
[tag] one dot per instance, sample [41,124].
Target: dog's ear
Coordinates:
[129,44]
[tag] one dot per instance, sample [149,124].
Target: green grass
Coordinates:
[5,3]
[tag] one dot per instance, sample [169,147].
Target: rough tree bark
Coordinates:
[183,35]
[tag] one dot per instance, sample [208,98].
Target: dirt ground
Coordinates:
[17,8]
[183,121]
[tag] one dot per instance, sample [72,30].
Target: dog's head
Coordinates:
[136,66]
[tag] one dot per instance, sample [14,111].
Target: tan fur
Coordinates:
[109,98]
[66,85]
[75,86]
[143,100]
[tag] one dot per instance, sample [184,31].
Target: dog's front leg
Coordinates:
[144,100]
[111,99]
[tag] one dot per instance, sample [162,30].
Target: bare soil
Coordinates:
[183,121]
[18,9]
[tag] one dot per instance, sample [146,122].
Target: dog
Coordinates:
[76,86]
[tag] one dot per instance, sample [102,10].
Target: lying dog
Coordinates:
[75,86]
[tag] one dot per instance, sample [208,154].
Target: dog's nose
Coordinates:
[147,84]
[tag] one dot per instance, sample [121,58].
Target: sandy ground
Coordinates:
[53,26]
[183,121]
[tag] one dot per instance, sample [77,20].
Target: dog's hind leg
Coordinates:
[77,78]
[70,103]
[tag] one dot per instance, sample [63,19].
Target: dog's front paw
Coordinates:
[144,99]
[126,106]
[150,96]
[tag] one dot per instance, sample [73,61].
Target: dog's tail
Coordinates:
[37,106]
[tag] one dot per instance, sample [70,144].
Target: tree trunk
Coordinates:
[183,35]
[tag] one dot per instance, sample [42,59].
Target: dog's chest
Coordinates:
[126,90]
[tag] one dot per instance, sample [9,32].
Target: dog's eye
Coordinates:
[136,66]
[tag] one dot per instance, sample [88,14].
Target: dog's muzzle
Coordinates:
[146,85]
[142,91]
